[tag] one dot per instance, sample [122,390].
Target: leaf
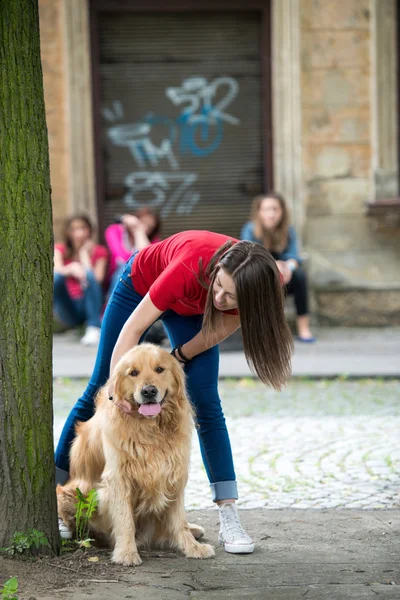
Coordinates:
[10,587]
[92,496]
[93,559]
[85,507]
[85,543]
[81,497]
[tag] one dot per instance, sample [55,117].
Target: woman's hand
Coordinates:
[137,230]
[77,271]
[176,355]
[131,222]
[123,405]
[286,272]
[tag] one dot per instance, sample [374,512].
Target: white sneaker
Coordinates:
[232,534]
[65,532]
[91,337]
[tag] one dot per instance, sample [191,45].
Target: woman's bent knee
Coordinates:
[299,275]
[59,282]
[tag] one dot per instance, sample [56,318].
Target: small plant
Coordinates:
[26,542]
[67,546]
[85,507]
[10,589]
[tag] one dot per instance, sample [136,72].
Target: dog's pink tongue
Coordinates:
[149,410]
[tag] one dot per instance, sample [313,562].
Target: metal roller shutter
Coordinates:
[181,116]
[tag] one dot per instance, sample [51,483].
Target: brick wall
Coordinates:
[53,62]
[335,60]
[348,250]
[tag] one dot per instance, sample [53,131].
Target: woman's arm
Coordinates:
[73,269]
[85,254]
[291,251]
[114,240]
[199,344]
[59,266]
[100,269]
[141,239]
[142,317]
[146,313]
[247,232]
[137,231]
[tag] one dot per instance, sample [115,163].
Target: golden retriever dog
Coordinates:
[135,452]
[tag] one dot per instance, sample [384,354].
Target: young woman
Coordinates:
[270,227]
[80,268]
[135,232]
[203,286]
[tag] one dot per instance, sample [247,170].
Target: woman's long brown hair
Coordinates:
[267,340]
[276,240]
[69,250]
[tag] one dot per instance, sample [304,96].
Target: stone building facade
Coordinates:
[330,134]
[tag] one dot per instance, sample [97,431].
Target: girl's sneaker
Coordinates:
[91,337]
[232,535]
[65,532]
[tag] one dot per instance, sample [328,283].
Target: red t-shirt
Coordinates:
[169,271]
[73,285]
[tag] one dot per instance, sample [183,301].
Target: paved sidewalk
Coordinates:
[317,444]
[299,555]
[350,352]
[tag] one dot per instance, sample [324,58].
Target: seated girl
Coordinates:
[270,227]
[80,268]
[135,232]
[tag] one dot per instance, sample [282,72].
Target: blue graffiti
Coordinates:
[198,130]
[192,131]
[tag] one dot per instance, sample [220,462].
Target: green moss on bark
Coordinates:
[27,493]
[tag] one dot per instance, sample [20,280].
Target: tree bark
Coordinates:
[27,488]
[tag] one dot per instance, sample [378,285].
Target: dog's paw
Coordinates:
[197,531]
[127,557]
[200,551]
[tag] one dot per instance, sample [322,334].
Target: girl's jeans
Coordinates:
[75,311]
[298,287]
[202,385]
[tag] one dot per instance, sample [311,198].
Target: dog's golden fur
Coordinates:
[138,464]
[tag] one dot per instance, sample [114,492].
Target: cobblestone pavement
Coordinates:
[317,444]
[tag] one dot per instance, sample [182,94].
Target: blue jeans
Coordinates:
[75,311]
[116,276]
[202,386]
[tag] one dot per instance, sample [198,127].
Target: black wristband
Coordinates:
[177,352]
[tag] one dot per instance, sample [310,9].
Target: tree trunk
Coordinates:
[27,489]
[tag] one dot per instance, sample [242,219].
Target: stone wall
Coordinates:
[335,164]
[53,61]
[348,250]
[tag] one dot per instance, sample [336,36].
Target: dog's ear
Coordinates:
[179,375]
[114,384]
